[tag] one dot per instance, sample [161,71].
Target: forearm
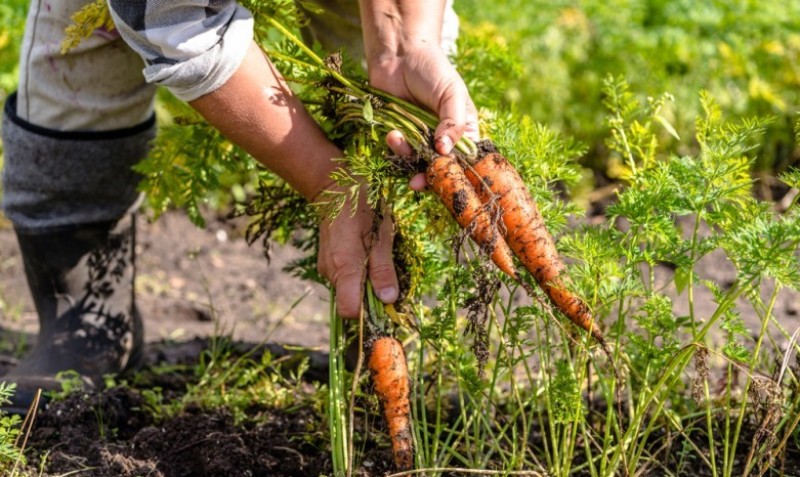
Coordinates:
[256,110]
[392,27]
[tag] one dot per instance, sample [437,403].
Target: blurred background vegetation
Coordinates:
[746,53]
[548,60]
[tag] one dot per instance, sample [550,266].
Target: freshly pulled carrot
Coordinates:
[448,181]
[525,232]
[387,363]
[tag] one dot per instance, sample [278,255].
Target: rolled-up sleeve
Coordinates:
[190,46]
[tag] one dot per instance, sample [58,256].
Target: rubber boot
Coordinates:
[81,279]
[70,196]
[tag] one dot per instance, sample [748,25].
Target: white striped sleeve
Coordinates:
[190,46]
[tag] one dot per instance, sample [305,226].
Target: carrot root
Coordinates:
[387,363]
[449,182]
[494,178]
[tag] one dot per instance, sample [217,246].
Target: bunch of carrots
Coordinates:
[513,227]
[469,189]
[485,195]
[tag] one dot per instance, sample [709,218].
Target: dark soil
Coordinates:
[196,443]
[114,433]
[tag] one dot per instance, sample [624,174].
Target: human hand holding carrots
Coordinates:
[428,78]
[347,250]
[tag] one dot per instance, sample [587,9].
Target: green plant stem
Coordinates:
[753,360]
[309,52]
[508,353]
[710,426]
[357,373]
[336,404]
[677,363]
[457,470]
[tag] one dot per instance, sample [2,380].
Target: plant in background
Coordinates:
[743,53]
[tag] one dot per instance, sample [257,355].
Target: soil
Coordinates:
[197,282]
[193,284]
[112,433]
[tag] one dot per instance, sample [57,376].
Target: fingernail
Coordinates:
[387,295]
[446,143]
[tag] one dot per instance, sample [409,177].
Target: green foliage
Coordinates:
[242,384]
[10,453]
[12,23]
[744,53]
[191,164]
[85,21]
[71,382]
[565,394]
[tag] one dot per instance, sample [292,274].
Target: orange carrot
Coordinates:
[525,232]
[448,181]
[387,363]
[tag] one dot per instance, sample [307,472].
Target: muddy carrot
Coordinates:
[525,232]
[387,363]
[448,181]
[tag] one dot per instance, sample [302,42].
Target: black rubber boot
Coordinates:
[70,195]
[81,279]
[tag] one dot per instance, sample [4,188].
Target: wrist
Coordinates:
[317,180]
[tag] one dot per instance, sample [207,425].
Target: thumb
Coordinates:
[453,108]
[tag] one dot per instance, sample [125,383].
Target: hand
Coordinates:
[343,246]
[425,76]
[256,110]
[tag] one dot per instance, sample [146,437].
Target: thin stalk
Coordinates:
[310,53]
[743,407]
[338,431]
[423,457]
[457,470]
[544,354]
[508,353]
[727,452]
[710,426]
[288,59]
[357,374]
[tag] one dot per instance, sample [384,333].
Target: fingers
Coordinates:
[342,259]
[472,130]
[348,283]
[381,266]
[456,115]
[397,143]
[344,269]
[418,183]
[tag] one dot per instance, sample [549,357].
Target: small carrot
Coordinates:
[448,181]
[387,363]
[525,232]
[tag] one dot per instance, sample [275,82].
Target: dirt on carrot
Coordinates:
[448,181]
[387,364]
